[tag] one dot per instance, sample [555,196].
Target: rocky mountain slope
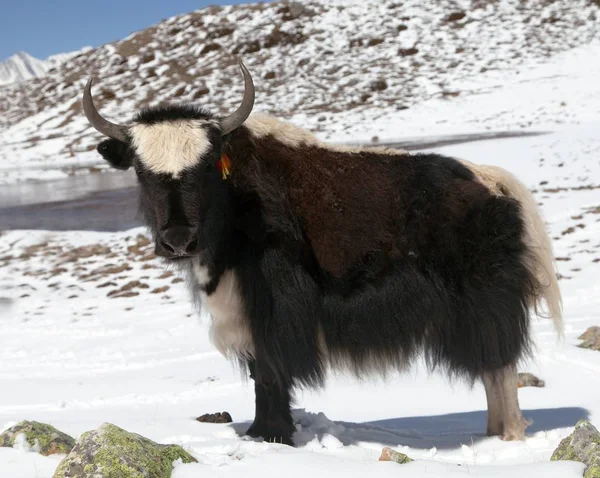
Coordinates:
[312,61]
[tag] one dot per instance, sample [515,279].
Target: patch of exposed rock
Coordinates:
[110,452]
[583,445]
[38,437]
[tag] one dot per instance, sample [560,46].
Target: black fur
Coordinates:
[357,260]
[172,113]
[118,154]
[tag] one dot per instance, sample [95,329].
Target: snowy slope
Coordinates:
[19,67]
[338,68]
[83,345]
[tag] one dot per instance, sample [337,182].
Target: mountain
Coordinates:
[333,66]
[21,66]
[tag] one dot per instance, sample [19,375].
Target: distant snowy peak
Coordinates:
[21,66]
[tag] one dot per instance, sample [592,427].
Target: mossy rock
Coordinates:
[42,438]
[583,445]
[111,452]
[388,454]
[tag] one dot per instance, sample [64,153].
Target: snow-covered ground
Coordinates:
[75,358]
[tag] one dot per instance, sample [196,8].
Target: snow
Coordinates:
[75,358]
[20,66]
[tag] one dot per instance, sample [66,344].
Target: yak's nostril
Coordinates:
[168,247]
[192,247]
[179,241]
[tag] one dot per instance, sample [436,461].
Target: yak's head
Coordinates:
[176,153]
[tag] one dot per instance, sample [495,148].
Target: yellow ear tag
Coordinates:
[224,164]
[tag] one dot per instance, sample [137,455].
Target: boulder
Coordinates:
[110,452]
[40,437]
[591,339]
[388,454]
[529,380]
[583,445]
[219,417]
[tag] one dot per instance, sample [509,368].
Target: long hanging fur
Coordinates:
[541,256]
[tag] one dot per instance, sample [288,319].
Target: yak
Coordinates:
[313,257]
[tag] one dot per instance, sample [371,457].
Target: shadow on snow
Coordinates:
[442,431]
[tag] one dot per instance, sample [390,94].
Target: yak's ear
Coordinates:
[117,153]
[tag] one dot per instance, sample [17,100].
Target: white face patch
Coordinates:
[170,147]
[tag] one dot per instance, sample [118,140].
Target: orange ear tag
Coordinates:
[224,164]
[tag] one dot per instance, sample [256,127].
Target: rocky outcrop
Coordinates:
[583,445]
[388,454]
[529,380]
[591,339]
[110,452]
[38,437]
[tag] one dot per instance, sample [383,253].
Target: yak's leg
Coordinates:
[273,418]
[514,423]
[493,393]
[504,414]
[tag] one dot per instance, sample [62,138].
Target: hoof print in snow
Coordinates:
[583,445]
[38,437]
[219,417]
[110,451]
[529,380]
[387,454]
[591,339]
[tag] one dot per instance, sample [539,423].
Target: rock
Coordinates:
[591,339]
[160,290]
[110,451]
[374,41]
[387,454]
[455,16]
[408,51]
[378,85]
[529,380]
[592,332]
[200,92]
[219,417]
[210,47]
[40,437]
[583,445]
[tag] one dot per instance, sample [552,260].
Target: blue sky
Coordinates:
[45,27]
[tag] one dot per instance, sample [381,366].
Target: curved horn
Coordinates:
[235,119]
[105,127]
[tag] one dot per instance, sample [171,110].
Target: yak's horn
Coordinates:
[235,119]
[102,125]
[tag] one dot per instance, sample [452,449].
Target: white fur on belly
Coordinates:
[229,331]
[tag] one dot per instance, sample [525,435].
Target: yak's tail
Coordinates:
[541,257]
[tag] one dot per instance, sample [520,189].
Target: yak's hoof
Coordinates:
[270,435]
[515,431]
[513,436]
